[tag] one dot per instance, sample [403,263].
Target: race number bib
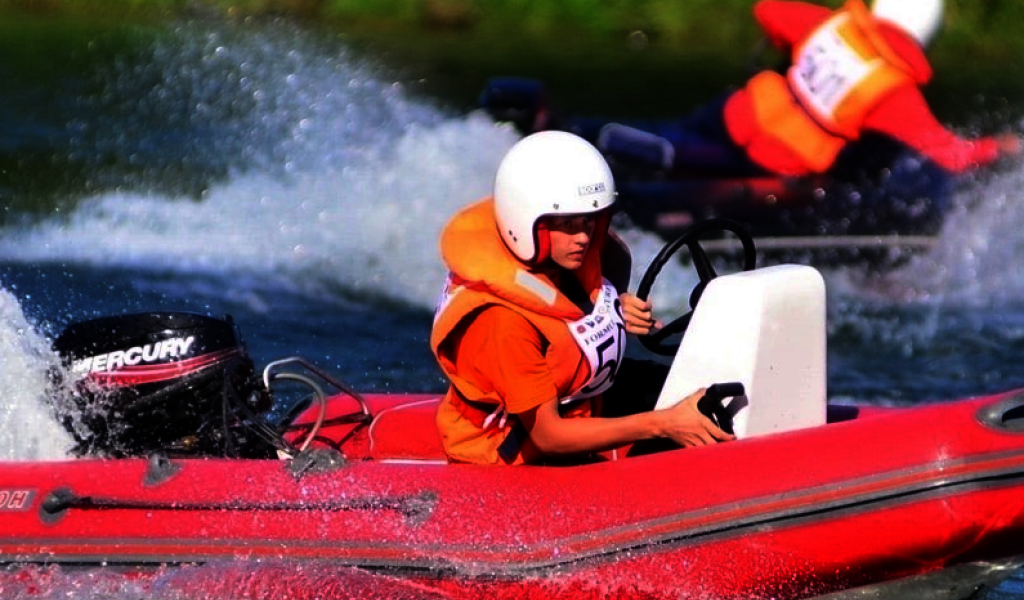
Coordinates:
[601,336]
[827,69]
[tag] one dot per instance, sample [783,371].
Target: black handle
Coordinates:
[711,404]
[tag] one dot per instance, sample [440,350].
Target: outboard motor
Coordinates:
[171,382]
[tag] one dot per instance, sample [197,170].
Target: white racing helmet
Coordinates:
[547,173]
[921,19]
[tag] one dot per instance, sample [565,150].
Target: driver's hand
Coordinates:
[638,314]
[687,426]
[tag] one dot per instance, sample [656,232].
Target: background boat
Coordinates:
[881,201]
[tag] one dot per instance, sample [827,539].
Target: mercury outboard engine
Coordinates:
[171,382]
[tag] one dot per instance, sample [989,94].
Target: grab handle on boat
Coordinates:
[416,508]
[711,404]
[1006,415]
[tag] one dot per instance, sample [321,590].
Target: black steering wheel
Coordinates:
[655,342]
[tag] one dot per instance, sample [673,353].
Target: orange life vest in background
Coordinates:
[485,273]
[839,73]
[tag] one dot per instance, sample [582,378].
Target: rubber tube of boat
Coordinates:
[711,404]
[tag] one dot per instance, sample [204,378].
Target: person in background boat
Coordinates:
[852,71]
[529,330]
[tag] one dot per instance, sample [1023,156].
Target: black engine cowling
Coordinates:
[172,382]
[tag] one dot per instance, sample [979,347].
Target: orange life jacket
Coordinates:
[483,272]
[839,74]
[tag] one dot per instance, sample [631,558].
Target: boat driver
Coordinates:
[530,331]
[851,71]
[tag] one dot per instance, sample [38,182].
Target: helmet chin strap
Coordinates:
[542,241]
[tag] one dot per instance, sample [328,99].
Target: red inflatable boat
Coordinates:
[812,499]
[881,495]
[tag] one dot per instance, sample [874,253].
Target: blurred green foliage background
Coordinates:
[991,25]
[577,46]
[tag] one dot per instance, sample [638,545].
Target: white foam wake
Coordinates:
[27,429]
